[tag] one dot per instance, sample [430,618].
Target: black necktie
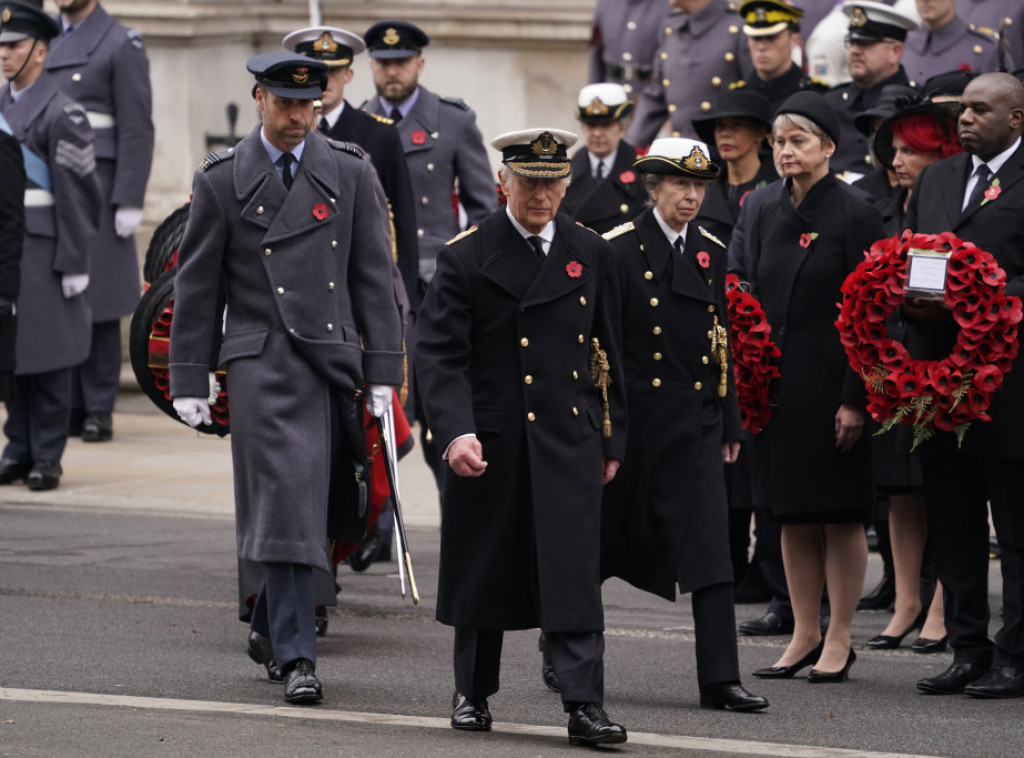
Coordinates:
[678,244]
[537,244]
[984,174]
[287,159]
[324,126]
[396,115]
[600,169]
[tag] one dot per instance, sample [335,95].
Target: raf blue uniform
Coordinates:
[928,52]
[103,66]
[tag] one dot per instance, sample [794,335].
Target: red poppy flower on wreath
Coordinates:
[573,269]
[930,395]
[703,259]
[320,211]
[419,137]
[627,177]
[753,355]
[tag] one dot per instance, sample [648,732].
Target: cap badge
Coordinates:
[390,36]
[6,15]
[301,75]
[696,160]
[858,17]
[597,108]
[544,145]
[326,43]
[761,15]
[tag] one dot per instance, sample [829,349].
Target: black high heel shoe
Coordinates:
[826,677]
[887,642]
[788,672]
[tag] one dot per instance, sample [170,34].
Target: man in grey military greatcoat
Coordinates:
[62,207]
[103,66]
[946,43]
[623,41]
[289,224]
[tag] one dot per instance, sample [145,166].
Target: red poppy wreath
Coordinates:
[930,395]
[753,354]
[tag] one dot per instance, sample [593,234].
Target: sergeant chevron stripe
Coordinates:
[79,160]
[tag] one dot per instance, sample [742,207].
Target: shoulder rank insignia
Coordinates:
[346,147]
[460,235]
[381,119]
[710,236]
[618,231]
[214,158]
[458,102]
[75,113]
[135,38]
[584,226]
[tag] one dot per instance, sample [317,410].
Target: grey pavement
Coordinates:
[119,637]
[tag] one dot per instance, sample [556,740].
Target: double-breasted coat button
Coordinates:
[730,57]
[705,106]
[648,275]
[259,210]
[977,49]
[665,82]
[266,251]
[697,385]
[524,342]
[672,108]
[733,29]
[334,244]
[631,25]
[580,338]
[716,81]
[711,309]
[575,375]
[583,300]
[654,302]
[76,77]
[330,327]
[330,286]
[280,290]
[528,379]
[657,356]
[575,411]
[664,56]
[430,167]
[668,30]
[704,360]
[419,233]
[623,208]
[531,416]
[425,200]
[655,382]
[627,56]
[656,330]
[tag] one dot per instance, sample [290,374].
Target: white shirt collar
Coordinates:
[547,234]
[334,115]
[275,153]
[670,234]
[403,107]
[996,163]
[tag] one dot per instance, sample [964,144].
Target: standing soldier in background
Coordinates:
[1003,17]
[623,41]
[443,150]
[772,29]
[12,238]
[604,191]
[946,43]
[62,207]
[701,54]
[103,66]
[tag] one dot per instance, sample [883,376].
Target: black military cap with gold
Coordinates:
[20,21]
[874,22]
[604,101]
[676,156]
[289,75]
[335,47]
[763,18]
[395,39]
[540,153]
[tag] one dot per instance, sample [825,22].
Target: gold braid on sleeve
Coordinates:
[720,350]
[600,372]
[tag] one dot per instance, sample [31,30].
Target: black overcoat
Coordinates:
[311,316]
[995,227]
[603,204]
[12,235]
[502,352]
[801,475]
[718,214]
[665,517]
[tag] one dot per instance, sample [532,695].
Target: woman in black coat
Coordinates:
[813,462]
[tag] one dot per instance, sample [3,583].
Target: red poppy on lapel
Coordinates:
[627,177]
[320,211]
[992,192]
[805,240]
[573,269]
[703,259]
[419,137]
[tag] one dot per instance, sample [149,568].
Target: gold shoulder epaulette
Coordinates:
[985,30]
[710,236]
[382,119]
[619,230]
[460,235]
[584,226]
[216,157]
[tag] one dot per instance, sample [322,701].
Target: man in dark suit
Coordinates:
[289,227]
[988,470]
[12,233]
[605,191]
[102,65]
[515,315]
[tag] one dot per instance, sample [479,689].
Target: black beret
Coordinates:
[813,106]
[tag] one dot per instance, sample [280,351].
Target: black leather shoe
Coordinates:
[45,475]
[881,597]
[547,670]
[1000,682]
[589,726]
[301,687]
[769,624]
[98,427]
[926,646]
[470,715]
[815,676]
[953,680]
[12,471]
[259,649]
[788,672]
[367,549]
[731,696]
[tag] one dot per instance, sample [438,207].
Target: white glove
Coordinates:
[193,410]
[126,221]
[73,284]
[214,389]
[378,399]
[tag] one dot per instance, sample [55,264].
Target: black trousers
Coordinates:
[714,626]
[959,489]
[38,417]
[96,381]
[578,659]
[284,611]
